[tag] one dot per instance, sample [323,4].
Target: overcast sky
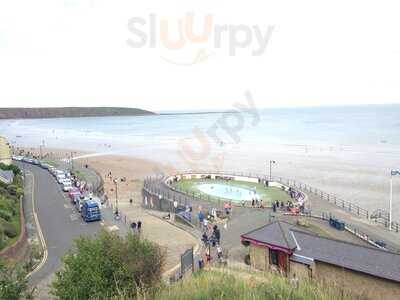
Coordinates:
[83,53]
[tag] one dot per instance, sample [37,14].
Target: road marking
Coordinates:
[67,206]
[39,230]
[73,217]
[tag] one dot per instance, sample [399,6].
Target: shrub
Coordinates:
[2,237]
[102,267]
[8,206]
[6,215]
[14,168]
[9,229]
[12,190]
[20,192]
[13,283]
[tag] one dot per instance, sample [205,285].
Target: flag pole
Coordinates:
[390,202]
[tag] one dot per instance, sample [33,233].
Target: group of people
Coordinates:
[136,227]
[210,241]
[256,202]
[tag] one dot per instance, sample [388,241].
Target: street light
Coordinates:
[116,196]
[392,174]
[270,169]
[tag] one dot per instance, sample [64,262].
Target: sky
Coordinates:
[186,55]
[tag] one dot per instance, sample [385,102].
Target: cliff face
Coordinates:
[69,112]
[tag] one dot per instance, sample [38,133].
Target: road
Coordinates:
[59,222]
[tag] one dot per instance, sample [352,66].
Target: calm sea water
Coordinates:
[358,130]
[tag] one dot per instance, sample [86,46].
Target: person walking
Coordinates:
[200,216]
[133,226]
[219,251]
[217,234]
[139,226]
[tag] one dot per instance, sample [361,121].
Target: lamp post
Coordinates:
[393,173]
[116,196]
[72,161]
[271,162]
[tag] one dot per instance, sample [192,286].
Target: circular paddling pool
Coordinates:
[227,191]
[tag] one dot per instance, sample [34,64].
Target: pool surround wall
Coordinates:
[227,176]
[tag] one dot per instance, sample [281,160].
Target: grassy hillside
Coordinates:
[69,112]
[10,226]
[217,285]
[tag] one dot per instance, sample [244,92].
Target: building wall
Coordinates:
[259,257]
[5,152]
[303,272]
[357,283]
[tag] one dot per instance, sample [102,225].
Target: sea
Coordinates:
[371,130]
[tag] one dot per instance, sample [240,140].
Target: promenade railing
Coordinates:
[296,185]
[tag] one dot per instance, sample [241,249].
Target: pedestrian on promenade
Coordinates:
[217,234]
[205,223]
[130,201]
[252,202]
[204,238]
[200,216]
[139,226]
[133,226]
[219,251]
[208,255]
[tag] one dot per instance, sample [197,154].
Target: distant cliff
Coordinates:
[70,112]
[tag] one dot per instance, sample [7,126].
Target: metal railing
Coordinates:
[297,185]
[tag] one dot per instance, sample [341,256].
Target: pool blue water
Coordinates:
[227,191]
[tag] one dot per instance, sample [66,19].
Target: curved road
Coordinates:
[59,221]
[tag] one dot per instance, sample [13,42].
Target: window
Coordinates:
[273,257]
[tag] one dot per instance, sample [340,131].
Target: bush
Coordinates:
[20,192]
[12,190]
[2,237]
[14,168]
[8,205]
[9,229]
[106,266]
[13,284]
[6,215]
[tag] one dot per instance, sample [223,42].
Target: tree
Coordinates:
[13,283]
[107,266]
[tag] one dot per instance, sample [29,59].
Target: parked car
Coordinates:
[67,186]
[60,178]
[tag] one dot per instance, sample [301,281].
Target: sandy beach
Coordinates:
[355,178]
